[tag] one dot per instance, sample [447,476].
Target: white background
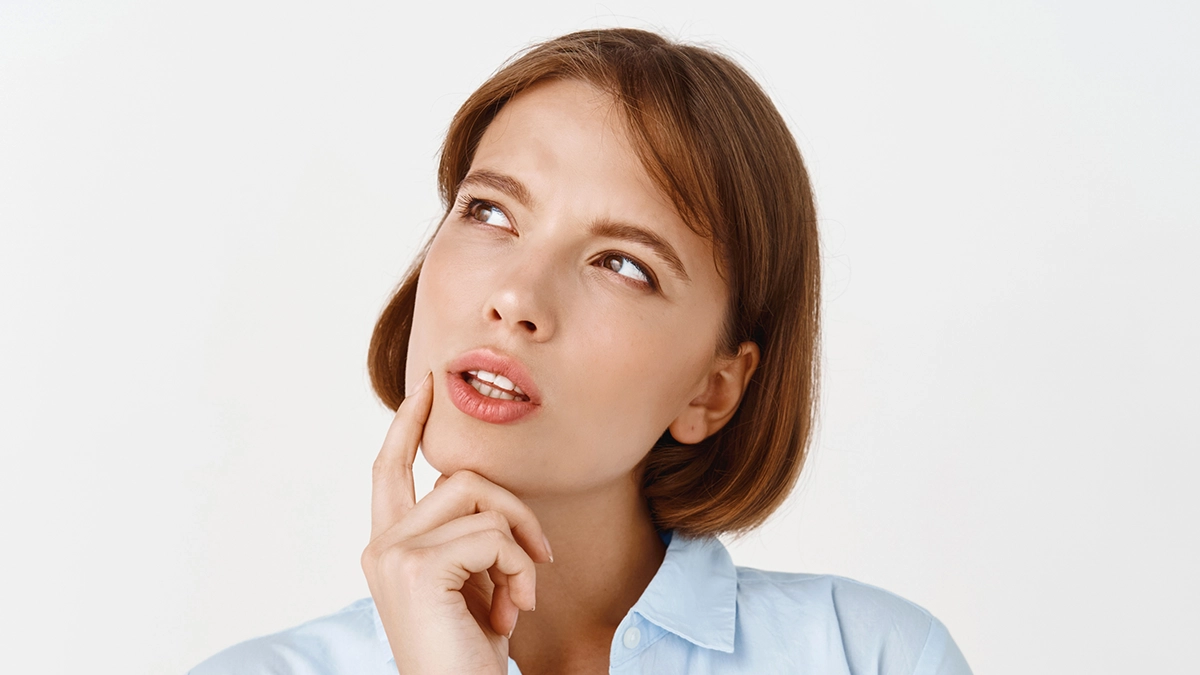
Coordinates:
[205,205]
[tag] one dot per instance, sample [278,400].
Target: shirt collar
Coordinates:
[694,593]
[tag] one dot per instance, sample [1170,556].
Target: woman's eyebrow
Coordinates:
[498,181]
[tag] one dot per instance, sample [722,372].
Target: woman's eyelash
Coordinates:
[464,204]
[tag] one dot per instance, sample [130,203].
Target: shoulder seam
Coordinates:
[935,639]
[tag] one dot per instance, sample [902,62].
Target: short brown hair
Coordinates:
[712,140]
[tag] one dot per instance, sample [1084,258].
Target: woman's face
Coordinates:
[564,268]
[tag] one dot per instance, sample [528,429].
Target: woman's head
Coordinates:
[630,228]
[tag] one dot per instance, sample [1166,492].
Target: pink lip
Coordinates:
[486,408]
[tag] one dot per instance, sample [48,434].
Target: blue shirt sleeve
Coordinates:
[885,634]
[941,655]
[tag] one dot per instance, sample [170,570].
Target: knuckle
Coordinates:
[495,520]
[380,465]
[459,484]
[413,566]
[495,537]
[528,576]
[404,562]
[527,516]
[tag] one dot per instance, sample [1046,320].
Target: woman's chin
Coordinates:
[510,457]
[449,450]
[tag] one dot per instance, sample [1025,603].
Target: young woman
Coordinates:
[608,349]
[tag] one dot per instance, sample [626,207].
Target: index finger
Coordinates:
[393,492]
[467,493]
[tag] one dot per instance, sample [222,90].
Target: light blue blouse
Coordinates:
[700,614]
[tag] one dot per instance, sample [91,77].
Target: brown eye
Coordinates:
[626,267]
[487,213]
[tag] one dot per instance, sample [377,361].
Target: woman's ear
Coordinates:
[716,403]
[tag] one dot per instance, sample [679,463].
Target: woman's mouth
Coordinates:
[485,401]
[483,383]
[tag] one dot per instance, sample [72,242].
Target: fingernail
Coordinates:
[548,551]
[424,379]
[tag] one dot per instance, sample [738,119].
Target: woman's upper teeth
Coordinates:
[493,393]
[499,381]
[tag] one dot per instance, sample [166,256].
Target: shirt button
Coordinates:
[632,637]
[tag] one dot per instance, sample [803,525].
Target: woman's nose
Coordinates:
[523,299]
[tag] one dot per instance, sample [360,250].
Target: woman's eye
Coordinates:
[625,266]
[487,213]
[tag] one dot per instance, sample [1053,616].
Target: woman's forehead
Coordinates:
[561,132]
[567,140]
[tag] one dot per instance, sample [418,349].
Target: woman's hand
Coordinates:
[449,574]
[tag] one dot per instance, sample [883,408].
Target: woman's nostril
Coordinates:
[524,323]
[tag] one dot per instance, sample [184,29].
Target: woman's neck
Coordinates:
[606,551]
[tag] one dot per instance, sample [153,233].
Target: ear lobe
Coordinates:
[715,405]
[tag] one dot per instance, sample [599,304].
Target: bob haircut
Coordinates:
[711,139]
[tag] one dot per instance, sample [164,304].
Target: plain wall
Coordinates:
[205,205]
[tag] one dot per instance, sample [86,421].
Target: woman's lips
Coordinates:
[489,409]
[486,408]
